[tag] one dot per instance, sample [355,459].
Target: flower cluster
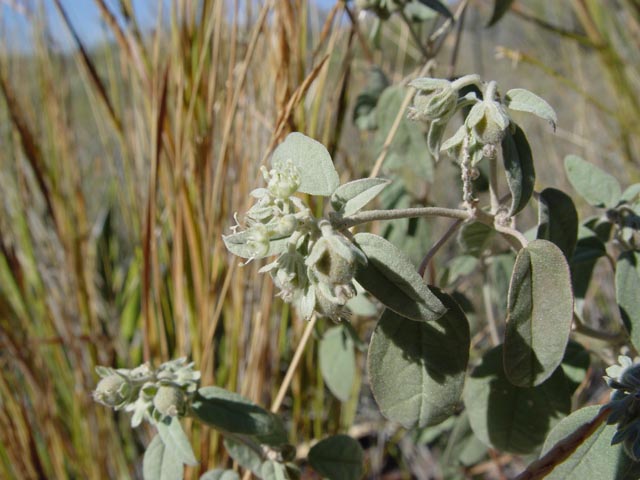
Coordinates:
[485,125]
[316,264]
[625,404]
[151,395]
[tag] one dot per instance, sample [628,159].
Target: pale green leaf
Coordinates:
[595,458]
[272,470]
[175,439]
[243,454]
[338,361]
[317,174]
[220,474]
[539,314]
[628,293]
[351,197]
[474,238]
[339,457]
[392,279]
[236,243]
[631,193]
[161,463]
[524,101]
[519,169]
[416,370]
[510,418]
[596,186]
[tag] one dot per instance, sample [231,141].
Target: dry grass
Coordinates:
[122,166]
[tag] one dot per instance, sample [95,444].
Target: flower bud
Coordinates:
[433,105]
[283,180]
[258,240]
[488,120]
[169,401]
[113,391]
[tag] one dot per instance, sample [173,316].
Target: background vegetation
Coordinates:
[121,166]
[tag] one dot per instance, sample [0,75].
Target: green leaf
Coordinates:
[518,165]
[317,174]
[539,314]
[474,238]
[460,266]
[339,457]
[351,197]
[510,418]
[416,370]
[220,474]
[500,7]
[232,413]
[392,279]
[499,273]
[175,440]
[524,101]
[243,454]
[161,463]
[575,364]
[236,243]
[338,361]
[437,6]
[631,193]
[361,305]
[595,458]
[628,293]
[595,185]
[589,249]
[558,220]
[272,470]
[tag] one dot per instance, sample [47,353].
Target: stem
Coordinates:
[275,406]
[512,233]
[493,182]
[445,238]
[564,448]
[373,215]
[583,329]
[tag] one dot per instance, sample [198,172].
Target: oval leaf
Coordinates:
[392,279]
[230,412]
[219,474]
[539,314]
[628,293]
[416,370]
[558,220]
[524,101]
[510,418]
[595,457]
[595,185]
[160,463]
[352,196]
[318,176]
[272,470]
[500,7]
[338,457]
[474,238]
[338,361]
[518,165]
[236,243]
[244,455]
[175,440]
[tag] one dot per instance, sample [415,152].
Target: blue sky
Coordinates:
[85,16]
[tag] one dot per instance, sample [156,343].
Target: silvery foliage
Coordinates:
[316,264]
[152,395]
[487,122]
[625,404]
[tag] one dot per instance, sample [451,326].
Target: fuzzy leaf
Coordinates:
[500,7]
[392,279]
[589,249]
[339,457]
[317,174]
[272,470]
[219,474]
[539,314]
[232,413]
[595,185]
[595,457]
[338,361]
[558,220]
[575,364]
[161,463]
[175,440]
[244,455]
[628,293]
[518,165]
[351,197]
[510,418]
[474,238]
[524,101]
[236,243]
[417,370]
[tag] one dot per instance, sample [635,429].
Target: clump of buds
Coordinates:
[150,394]
[625,405]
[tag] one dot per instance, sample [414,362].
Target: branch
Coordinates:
[373,215]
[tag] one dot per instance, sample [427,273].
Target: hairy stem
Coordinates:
[433,250]
[373,215]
